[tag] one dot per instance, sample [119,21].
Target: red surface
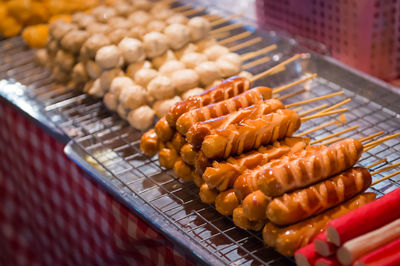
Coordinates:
[52,214]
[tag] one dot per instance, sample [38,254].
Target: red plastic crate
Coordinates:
[364,34]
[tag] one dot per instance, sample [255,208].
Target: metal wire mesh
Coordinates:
[114,145]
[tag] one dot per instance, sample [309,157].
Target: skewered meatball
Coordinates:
[227,68]
[185,79]
[199,28]
[108,76]
[41,57]
[208,72]
[158,6]
[52,47]
[85,21]
[65,60]
[192,92]
[118,83]
[111,101]
[142,5]
[141,118]
[234,58]
[215,51]
[137,32]
[76,17]
[133,96]
[156,25]
[161,107]
[132,50]
[59,75]
[117,35]
[161,87]
[178,35]
[79,74]
[95,89]
[133,68]
[73,40]
[109,57]
[94,43]
[155,44]
[191,60]
[93,69]
[204,44]
[139,18]
[119,23]
[158,61]
[190,48]
[98,28]
[144,76]
[59,28]
[246,74]
[170,67]
[123,8]
[122,111]
[103,13]
[177,19]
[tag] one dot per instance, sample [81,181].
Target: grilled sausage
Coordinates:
[188,154]
[240,220]
[222,175]
[163,130]
[289,239]
[251,134]
[225,107]
[226,202]
[298,205]
[254,206]
[228,89]
[182,170]
[149,143]
[199,130]
[274,180]
[207,195]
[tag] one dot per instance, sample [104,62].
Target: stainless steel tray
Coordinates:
[108,148]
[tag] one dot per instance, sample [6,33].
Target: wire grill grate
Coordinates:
[115,147]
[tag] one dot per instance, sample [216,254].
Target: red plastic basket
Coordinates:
[363,34]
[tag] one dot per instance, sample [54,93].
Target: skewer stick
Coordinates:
[235,37]
[372,136]
[289,95]
[376,163]
[331,141]
[224,20]
[298,109]
[250,55]
[226,28]
[313,110]
[211,17]
[335,134]
[287,86]
[181,8]
[337,122]
[245,44]
[220,35]
[272,69]
[257,62]
[316,99]
[337,105]
[385,178]
[385,169]
[304,119]
[193,11]
[379,141]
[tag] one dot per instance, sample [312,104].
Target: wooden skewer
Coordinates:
[257,62]
[331,141]
[313,110]
[335,134]
[235,37]
[385,169]
[193,11]
[181,8]
[223,34]
[304,119]
[385,178]
[250,55]
[289,95]
[337,122]
[272,69]
[224,20]
[337,105]
[227,28]
[211,17]
[287,86]
[316,99]
[379,141]
[376,163]
[245,44]
[298,109]
[372,136]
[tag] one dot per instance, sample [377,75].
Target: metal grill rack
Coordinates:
[109,149]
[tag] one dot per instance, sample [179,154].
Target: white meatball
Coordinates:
[52,48]
[158,61]
[118,83]
[215,51]
[109,57]
[161,107]
[79,73]
[108,76]
[178,35]
[132,96]
[137,32]
[164,14]
[204,44]
[123,9]
[59,28]
[94,43]
[65,60]
[139,18]
[98,28]
[42,57]
[133,68]
[144,76]
[192,92]
[156,25]
[73,40]
[119,23]
[161,87]
[76,17]
[141,118]
[234,58]
[132,50]
[170,67]
[191,60]
[208,72]
[142,5]
[85,21]
[122,111]
[111,101]
[246,74]
[93,70]
[227,68]
[185,79]
[177,19]
[199,28]
[117,35]
[103,13]
[190,48]
[158,6]
[155,44]
[95,90]
[59,75]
